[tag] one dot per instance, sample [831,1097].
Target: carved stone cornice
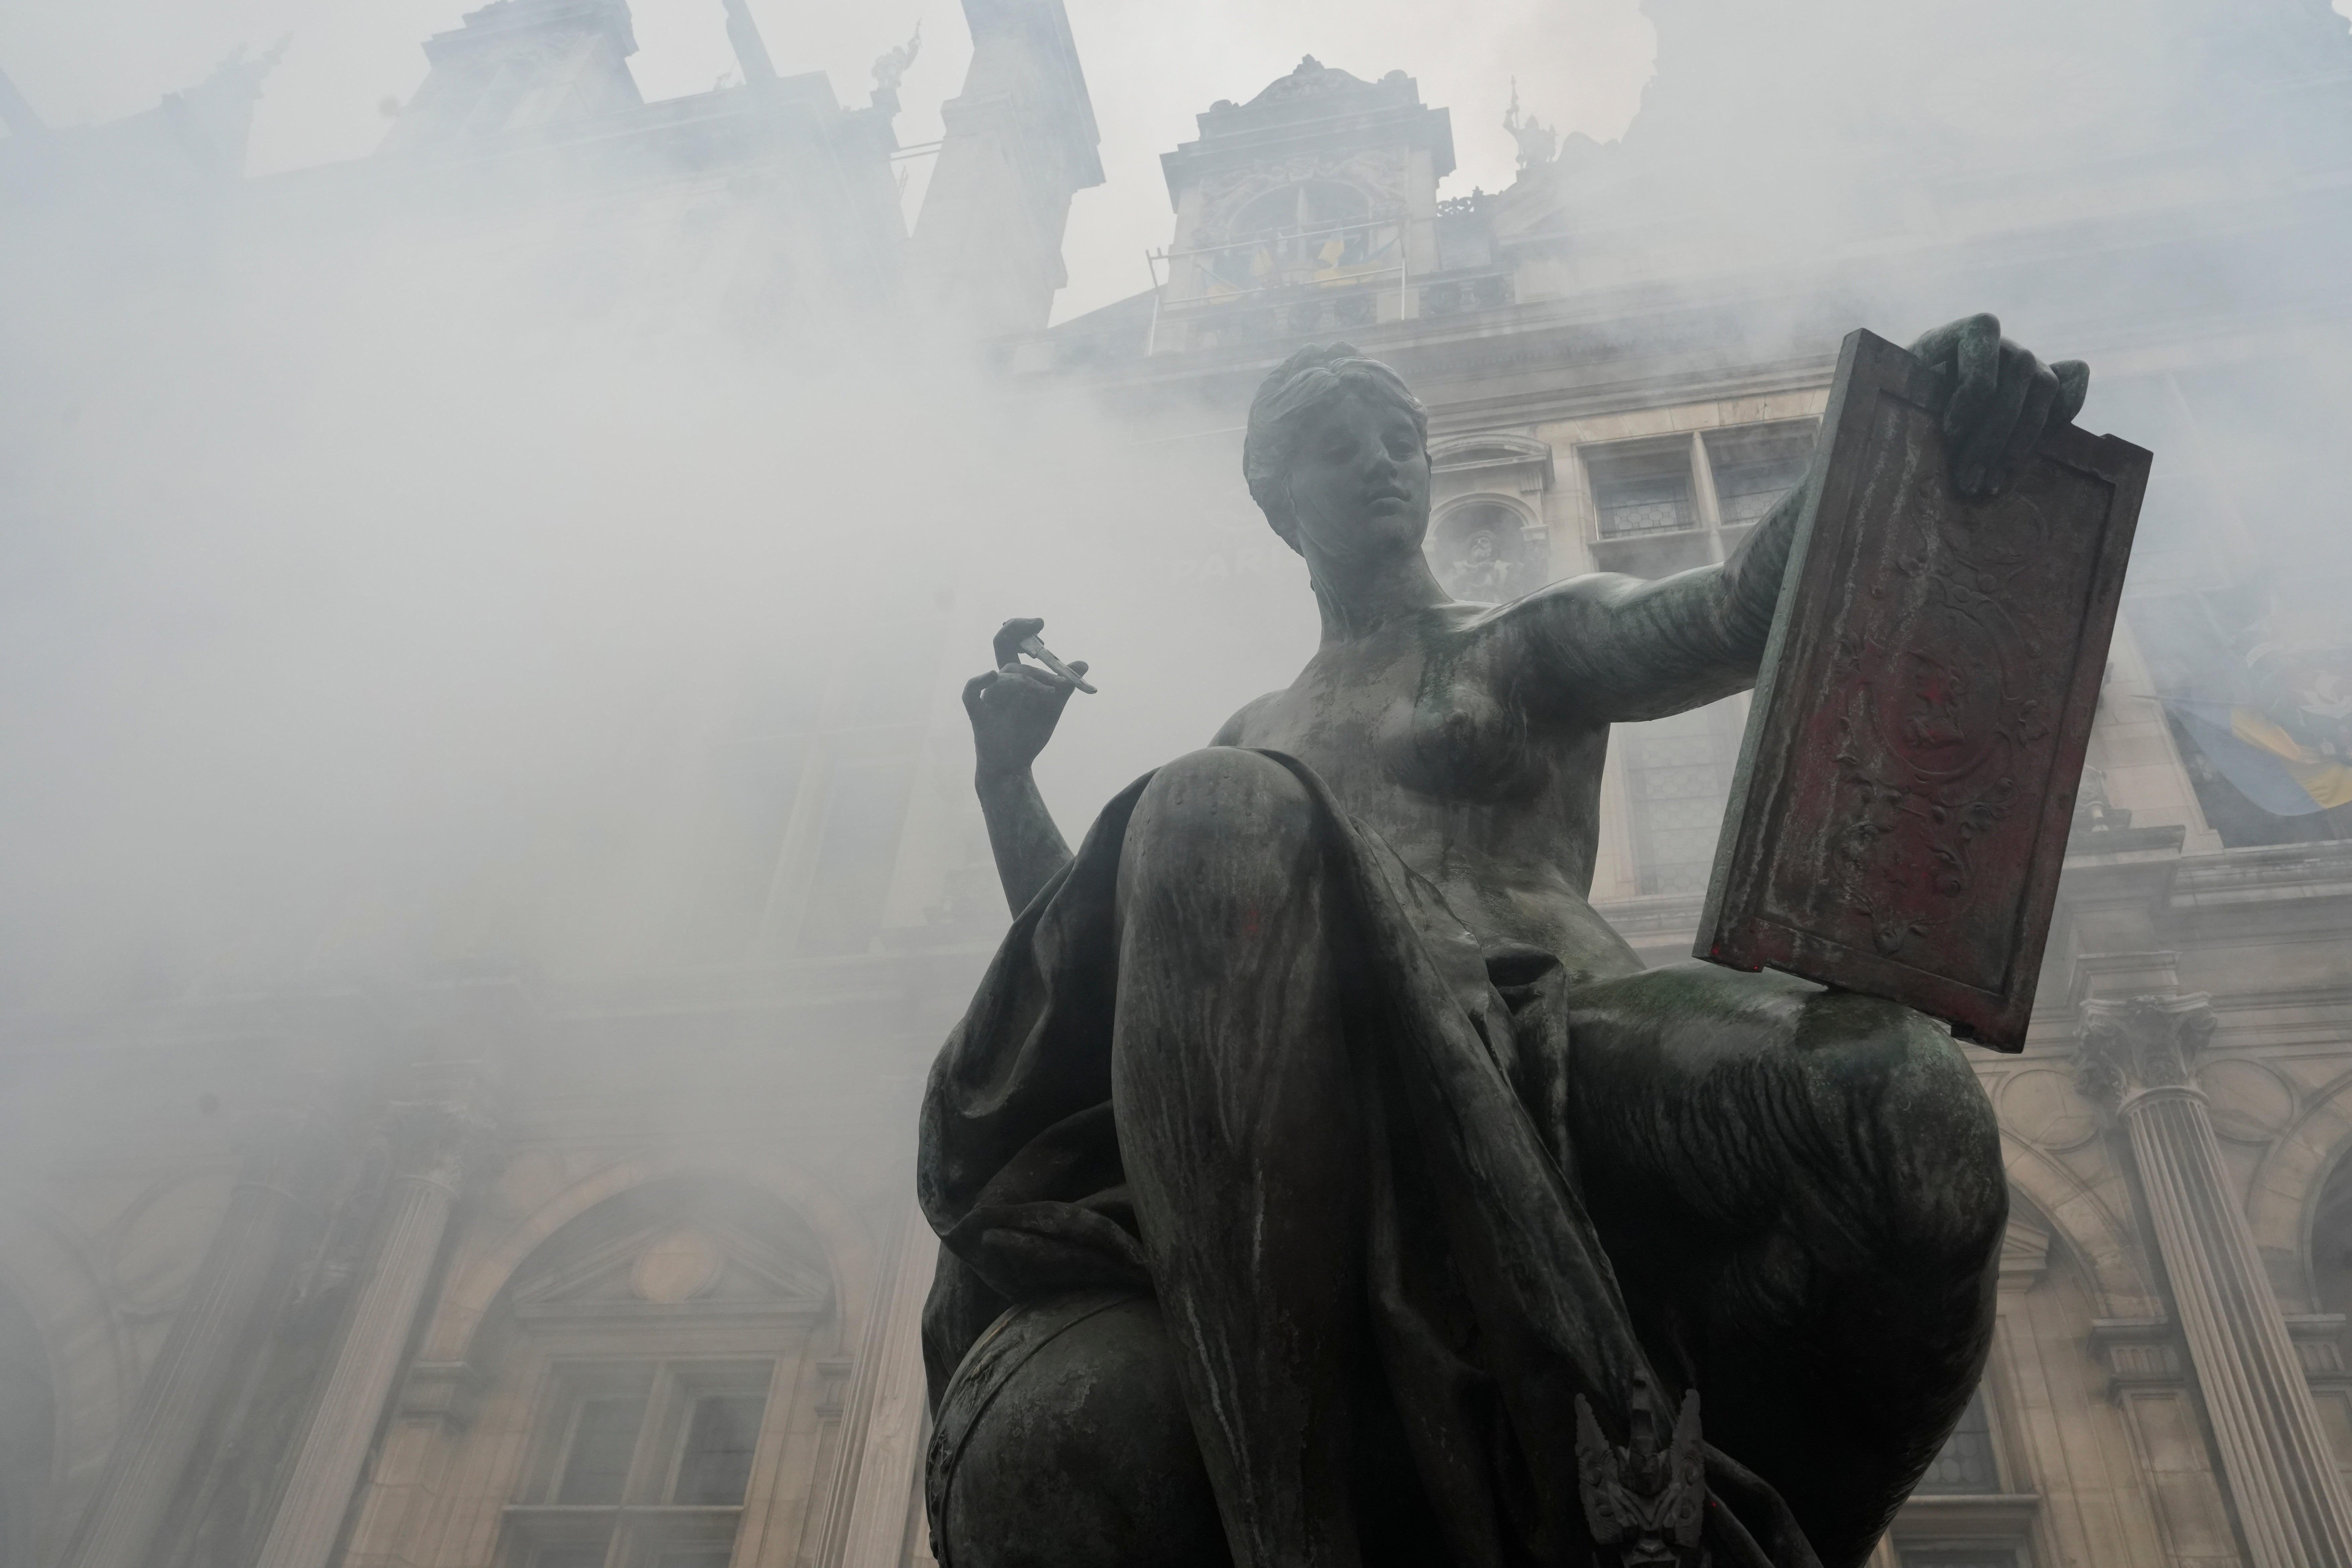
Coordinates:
[2134,1046]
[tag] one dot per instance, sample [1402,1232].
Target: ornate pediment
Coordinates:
[1312,78]
[1315,125]
[696,1268]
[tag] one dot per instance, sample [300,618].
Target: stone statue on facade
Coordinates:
[1322,1181]
[1538,143]
[1480,574]
[891,69]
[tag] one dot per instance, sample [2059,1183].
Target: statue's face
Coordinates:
[1359,480]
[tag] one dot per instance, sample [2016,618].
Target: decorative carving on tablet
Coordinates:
[1915,746]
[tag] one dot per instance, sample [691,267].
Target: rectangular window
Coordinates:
[1642,487]
[1677,777]
[596,1462]
[1959,1557]
[686,1431]
[1966,1462]
[1756,465]
[716,1463]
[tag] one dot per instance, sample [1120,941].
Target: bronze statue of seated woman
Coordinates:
[1313,1162]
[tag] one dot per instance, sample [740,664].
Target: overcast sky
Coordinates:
[1580,65]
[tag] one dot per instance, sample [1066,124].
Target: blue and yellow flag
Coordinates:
[2268,766]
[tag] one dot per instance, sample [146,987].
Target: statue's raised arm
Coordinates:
[1014,708]
[1619,648]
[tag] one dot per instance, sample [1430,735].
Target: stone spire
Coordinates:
[516,64]
[1020,142]
[17,111]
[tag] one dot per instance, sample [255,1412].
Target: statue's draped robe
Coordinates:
[1492,1303]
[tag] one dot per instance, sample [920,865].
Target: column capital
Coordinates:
[2131,1046]
[281,1146]
[447,1124]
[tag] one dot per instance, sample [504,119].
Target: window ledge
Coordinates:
[661,1510]
[1999,1516]
[723,1312]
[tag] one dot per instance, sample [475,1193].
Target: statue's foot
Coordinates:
[1063,1442]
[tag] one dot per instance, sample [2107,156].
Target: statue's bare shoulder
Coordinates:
[1232,731]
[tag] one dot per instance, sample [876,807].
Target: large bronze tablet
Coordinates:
[1901,807]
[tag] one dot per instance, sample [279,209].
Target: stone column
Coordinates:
[2138,1055]
[178,1399]
[892,1457]
[882,1430]
[432,1140]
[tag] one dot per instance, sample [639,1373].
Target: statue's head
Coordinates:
[1337,456]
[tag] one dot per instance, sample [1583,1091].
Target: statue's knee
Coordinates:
[1076,1454]
[1223,809]
[1928,1127]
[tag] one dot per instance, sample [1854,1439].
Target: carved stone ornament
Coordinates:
[2131,1045]
[1645,1503]
[1310,79]
[891,69]
[434,1140]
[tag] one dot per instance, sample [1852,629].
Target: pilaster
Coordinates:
[179,1397]
[883,1429]
[2138,1055]
[434,1138]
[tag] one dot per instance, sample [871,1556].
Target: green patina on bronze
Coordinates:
[1316,1043]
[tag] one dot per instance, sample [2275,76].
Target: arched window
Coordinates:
[665,1340]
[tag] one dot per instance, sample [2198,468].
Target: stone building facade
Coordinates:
[1617,384]
[610,1259]
[479,1270]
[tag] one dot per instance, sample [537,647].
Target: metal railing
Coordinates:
[1337,254]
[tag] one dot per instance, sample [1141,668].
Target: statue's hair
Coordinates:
[1289,396]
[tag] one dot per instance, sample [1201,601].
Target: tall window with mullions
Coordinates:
[1677,777]
[647,1466]
[1755,465]
[1966,1462]
[1642,487]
